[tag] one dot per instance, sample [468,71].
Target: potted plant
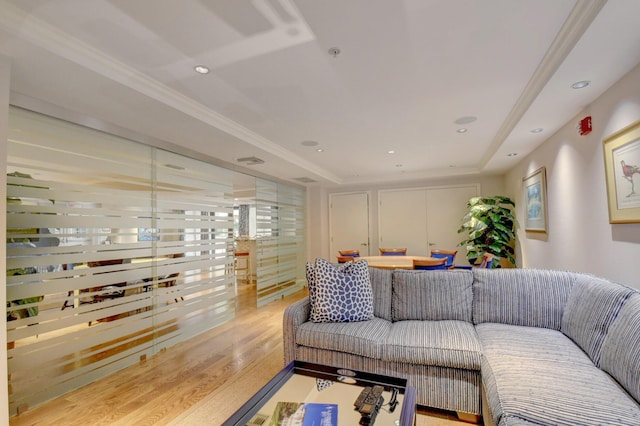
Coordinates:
[490,224]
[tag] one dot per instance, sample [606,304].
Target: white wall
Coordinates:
[318,208]
[580,237]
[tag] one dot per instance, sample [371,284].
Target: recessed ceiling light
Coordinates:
[512,154]
[462,130]
[201,69]
[391,151]
[466,120]
[580,84]
[319,150]
[537,130]
[309,143]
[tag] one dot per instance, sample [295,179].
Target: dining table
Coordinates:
[392,262]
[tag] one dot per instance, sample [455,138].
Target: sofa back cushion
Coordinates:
[381,280]
[526,297]
[431,295]
[593,305]
[621,347]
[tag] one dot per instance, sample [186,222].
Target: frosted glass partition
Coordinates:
[115,250]
[280,240]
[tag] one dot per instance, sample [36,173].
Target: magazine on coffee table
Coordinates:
[304,414]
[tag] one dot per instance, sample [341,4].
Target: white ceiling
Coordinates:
[408,69]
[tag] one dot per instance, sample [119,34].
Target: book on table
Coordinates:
[304,414]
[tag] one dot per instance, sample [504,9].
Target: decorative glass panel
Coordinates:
[115,250]
[280,240]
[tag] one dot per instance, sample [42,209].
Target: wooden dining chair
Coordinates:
[450,255]
[487,262]
[393,251]
[345,259]
[426,264]
[351,253]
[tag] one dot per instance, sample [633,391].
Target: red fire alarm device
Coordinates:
[584,127]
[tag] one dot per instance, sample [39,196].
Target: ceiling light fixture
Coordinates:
[334,51]
[309,143]
[580,84]
[537,130]
[462,130]
[512,154]
[398,165]
[319,150]
[201,69]
[391,151]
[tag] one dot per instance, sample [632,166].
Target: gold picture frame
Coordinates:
[535,201]
[622,172]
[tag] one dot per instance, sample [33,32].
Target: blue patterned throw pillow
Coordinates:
[340,293]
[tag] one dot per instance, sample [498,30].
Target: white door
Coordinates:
[445,209]
[402,220]
[349,223]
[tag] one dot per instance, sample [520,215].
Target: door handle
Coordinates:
[364,244]
[432,244]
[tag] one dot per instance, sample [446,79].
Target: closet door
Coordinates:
[349,223]
[423,219]
[402,220]
[445,209]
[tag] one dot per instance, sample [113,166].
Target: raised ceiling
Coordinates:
[406,72]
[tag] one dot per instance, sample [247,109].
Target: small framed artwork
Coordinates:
[622,171]
[535,201]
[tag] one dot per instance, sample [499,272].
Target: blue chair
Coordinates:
[347,255]
[393,251]
[450,255]
[487,262]
[426,264]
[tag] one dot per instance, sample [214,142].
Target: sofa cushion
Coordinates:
[541,376]
[621,347]
[535,342]
[593,305]
[529,297]
[381,280]
[432,295]
[359,338]
[340,293]
[438,343]
[545,392]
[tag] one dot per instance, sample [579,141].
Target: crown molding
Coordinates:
[574,27]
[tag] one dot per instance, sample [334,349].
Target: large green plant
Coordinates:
[490,226]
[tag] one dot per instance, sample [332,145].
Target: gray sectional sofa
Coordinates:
[517,346]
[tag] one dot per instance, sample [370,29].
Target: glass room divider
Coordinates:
[115,250]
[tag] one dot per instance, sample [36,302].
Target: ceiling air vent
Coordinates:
[305,180]
[250,161]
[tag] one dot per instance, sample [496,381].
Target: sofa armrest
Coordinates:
[294,315]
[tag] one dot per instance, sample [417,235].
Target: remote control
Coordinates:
[368,403]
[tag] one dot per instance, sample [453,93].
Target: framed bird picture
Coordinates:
[622,170]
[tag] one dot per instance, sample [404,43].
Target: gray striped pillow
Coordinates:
[432,295]
[621,347]
[528,297]
[593,305]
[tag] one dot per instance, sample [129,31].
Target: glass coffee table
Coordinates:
[329,395]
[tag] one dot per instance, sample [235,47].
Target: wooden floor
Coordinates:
[159,389]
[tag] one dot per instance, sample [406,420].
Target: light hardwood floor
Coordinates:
[158,390]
